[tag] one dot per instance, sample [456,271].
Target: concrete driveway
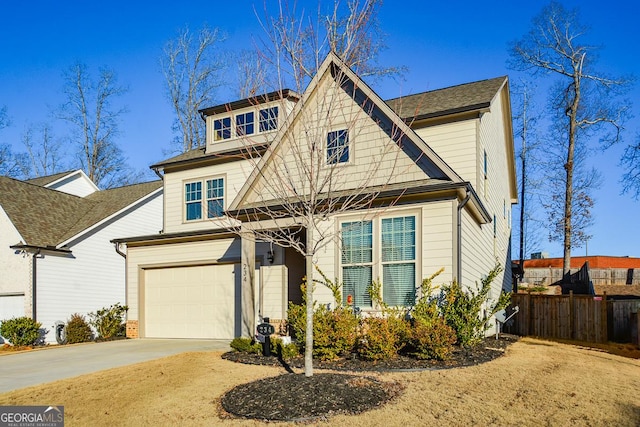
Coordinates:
[19,370]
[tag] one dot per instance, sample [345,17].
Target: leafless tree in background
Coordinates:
[192,66]
[631,163]
[8,164]
[43,152]
[314,188]
[94,119]
[525,119]
[582,99]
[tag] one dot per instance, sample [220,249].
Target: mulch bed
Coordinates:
[294,397]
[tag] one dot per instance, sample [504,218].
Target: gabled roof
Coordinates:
[332,63]
[49,218]
[455,99]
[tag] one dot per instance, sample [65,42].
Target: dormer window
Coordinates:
[244,124]
[268,119]
[222,129]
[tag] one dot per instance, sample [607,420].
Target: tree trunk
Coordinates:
[568,202]
[308,349]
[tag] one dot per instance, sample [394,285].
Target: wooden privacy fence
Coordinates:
[575,317]
[570,317]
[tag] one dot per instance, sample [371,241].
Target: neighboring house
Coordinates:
[617,276]
[56,258]
[447,204]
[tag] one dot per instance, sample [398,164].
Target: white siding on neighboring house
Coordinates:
[93,277]
[234,174]
[75,183]
[15,269]
[456,144]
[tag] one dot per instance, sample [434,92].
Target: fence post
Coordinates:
[571,316]
[603,316]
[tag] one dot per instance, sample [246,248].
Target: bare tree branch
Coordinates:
[192,68]
[583,100]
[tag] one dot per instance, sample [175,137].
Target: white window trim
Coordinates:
[234,127]
[204,199]
[349,145]
[377,265]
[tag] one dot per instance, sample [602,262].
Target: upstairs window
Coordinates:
[209,206]
[337,147]
[485,169]
[222,129]
[215,197]
[193,200]
[244,124]
[268,119]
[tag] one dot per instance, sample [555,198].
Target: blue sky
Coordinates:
[441,44]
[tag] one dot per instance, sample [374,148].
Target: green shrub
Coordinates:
[247,345]
[431,339]
[378,339]
[334,332]
[21,331]
[282,350]
[78,330]
[462,310]
[109,322]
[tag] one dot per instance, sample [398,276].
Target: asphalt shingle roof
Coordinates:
[46,218]
[439,102]
[464,97]
[44,180]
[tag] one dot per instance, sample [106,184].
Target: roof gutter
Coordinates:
[116,245]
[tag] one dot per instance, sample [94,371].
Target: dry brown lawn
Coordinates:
[534,383]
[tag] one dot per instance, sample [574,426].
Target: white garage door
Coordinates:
[191,302]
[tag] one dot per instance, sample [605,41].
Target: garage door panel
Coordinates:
[190,302]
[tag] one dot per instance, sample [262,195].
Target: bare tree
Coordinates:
[525,122]
[94,120]
[43,152]
[192,67]
[252,74]
[8,161]
[631,163]
[308,185]
[584,98]
[297,40]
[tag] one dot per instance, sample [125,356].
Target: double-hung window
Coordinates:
[215,197]
[244,124]
[222,129]
[338,147]
[383,249]
[193,200]
[199,206]
[398,255]
[268,119]
[357,262]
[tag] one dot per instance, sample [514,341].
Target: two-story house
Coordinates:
[433,172]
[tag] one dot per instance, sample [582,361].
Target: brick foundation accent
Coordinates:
[132,329]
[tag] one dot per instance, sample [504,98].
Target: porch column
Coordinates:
[247,297]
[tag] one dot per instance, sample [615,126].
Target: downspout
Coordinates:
[158,173]
[34,281]
[116,245]
[459,242]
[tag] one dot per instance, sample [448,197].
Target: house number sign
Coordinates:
[266,329]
